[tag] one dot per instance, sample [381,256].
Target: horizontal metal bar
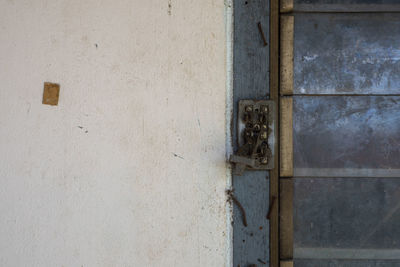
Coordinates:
[346,95]
[346,172]
[346,253]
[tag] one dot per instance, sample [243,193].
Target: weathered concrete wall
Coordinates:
[129,169]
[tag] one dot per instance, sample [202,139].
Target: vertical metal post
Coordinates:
[274,95]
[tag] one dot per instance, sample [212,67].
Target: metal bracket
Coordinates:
[256,136]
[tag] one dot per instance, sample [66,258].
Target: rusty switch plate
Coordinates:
[256,136]
[51,93]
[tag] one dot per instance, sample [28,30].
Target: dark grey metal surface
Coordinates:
[346,222]
[340,136]
[347,54]
[347,213]
[346,263]
[353,220]
[251,242]
[347,5]
[251,81]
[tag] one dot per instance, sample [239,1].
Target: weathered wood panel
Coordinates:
[286,264]
[286,53]
[346,54]
[286,6]
[286,219]
[251,81]
[341,136]
[286,136]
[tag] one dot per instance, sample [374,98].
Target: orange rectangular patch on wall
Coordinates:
[51,93]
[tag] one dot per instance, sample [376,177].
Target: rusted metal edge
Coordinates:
[287,54]
[286,219]
[286,136]
[271,207]
[286,6]
[274,95]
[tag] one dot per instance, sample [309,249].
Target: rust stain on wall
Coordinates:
[51,93]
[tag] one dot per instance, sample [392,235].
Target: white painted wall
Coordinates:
[129,169]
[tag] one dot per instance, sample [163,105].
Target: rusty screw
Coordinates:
[264,109]
[264,135]
[249,109]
